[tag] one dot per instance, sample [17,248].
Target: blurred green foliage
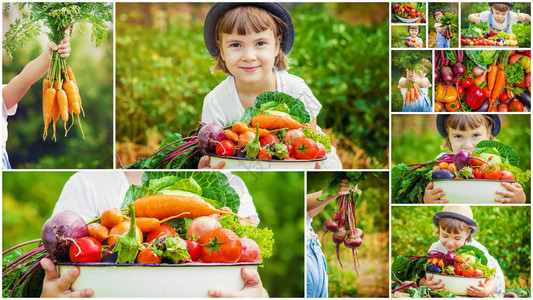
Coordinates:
[372,216]
[521,30]
[93,68]
[280,209]
[504,231]
[25,210]
[415,139]
[451,11]
[163,70]
[396,94]
[398,33]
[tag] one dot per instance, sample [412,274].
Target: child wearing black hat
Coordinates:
[463,132]
[455,227]
[249,42]
[442,40]
[500,17]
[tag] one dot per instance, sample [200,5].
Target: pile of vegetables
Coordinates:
[61,95]
[467,261]
[274,128]
[483,81]
[480,35]
[413,11]
[168,219]
[491,160]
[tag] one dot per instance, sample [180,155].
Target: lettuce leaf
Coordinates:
[264,237]
[276,103]
[318,137]
[506,152]
[474,251]
[522,177]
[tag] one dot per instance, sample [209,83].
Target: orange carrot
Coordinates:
[275,122]
[262,131]
[148,224]
[55,116]
[73,97]
[413,96]
[417,90]
[62,101]
[46,85]
[71,75]
[245,137]
[48,105]
[164,206]
[492,76]
[231,135]
[239,127]
[111,217]
[120,229]
[499,84]
[407,97]
[98,231]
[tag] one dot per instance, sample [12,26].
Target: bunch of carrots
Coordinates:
[413,93]
[61,96]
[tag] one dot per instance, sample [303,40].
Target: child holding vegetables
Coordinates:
[91,193]
[13,92]
[317,277]
[500,17]
[413,41]
[464,132]
[442,40]
[415,88]
[250,41]
[455,227]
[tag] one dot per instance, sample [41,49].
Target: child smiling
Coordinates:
[455,227]
[414,41]
[249,42]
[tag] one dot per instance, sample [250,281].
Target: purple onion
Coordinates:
[209,135]
[60,231]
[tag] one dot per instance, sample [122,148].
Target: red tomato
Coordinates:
[321,150]
[305,148]
[263,154]
[468,82]
[147,256]
[478,174]
[290,149]
[504,98]
[503,108]
[268,138]
[453,106]
[491,172]
[439,106]
[478,273]
[225,148]
[163,229]
[468,271]
[221,245]
[516,106]
[506,175]
[85,250]
[195,249]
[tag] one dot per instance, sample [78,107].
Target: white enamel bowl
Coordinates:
[238,163]
[457,284]
[470,191]
[111,280]
[411,20]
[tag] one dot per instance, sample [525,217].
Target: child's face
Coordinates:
[499,16]
[467,139]
[250,58]
[452,241]
[438,16]
[413,31]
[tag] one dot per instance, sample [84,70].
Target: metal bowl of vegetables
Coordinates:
[470,191]
[239,163]
[189,280]
[456,284]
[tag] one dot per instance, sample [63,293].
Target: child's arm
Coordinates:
[483,290]
[33,71]
[314,207]
[513,193]
[434,196]
[439,29]
[476,18]
[521,17]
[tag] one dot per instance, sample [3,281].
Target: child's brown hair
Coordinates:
[500,7]
[455,226]
[247,19]
[467,122]
[413,26]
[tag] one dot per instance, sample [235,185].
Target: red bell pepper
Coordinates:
[474,97]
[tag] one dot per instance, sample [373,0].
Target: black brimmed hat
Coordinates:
[462,213]
[506,3]
[436,10]
[441,121]
[219,9]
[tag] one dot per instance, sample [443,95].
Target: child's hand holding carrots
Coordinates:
[63,48]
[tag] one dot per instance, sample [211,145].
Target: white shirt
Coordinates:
[222,105]
[90,193]
[501,26]
[5,114]
[499,289]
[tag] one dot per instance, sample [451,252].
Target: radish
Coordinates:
[338,238]
[60,231]
[446,75]
[330,226]
[250,250]
[202,225]
[210,135]
[292,136]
